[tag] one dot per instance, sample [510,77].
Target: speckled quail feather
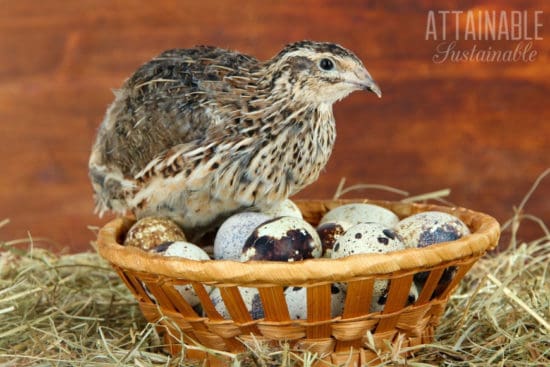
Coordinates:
[197,134]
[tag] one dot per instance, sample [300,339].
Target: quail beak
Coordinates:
[367,83]
[374,88]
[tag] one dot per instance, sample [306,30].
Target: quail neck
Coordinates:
[199,134]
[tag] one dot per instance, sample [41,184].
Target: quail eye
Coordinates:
[326,64]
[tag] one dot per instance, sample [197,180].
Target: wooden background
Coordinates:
[480,129]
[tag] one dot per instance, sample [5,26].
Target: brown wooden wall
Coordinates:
[479,128]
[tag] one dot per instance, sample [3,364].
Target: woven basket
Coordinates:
[342,340]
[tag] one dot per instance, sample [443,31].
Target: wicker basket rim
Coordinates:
[486,232]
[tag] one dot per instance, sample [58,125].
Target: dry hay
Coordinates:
[72,310]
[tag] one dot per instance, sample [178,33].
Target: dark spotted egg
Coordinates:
[365,238]
[296,299]
[232,234]
[188,251]
[150,232]
[380,295]
[427,228]
[282,239]
[329,233]
[251,299]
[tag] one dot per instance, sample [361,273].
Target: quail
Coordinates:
[199,134]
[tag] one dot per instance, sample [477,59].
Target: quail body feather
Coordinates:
[198,134]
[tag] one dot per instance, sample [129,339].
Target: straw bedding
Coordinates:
[73,310]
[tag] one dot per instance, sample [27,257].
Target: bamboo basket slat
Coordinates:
[344,338]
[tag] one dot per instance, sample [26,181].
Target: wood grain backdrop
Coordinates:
[480,129]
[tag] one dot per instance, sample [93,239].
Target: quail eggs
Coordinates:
[380,295]
[446,279]
[338,292]
[149,232]
[427,228]
[352,214]
[188,251]
[282,239]
[286,208]
[329,233]
[365,238]
[251,298]
[296,299]
[232,234]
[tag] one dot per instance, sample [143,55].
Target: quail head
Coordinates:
[199,134]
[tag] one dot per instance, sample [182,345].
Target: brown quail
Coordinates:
[198,134]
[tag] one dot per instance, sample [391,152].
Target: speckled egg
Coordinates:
[329,233]
[446,279]
[232,235]
[282,239]
[188,251]
[297,302]
[150,232]
[353,214]
[338,292]
[296,299]
[366,238]
[427,228]
[380,295]
[251,298]
[181,249]
[286,208]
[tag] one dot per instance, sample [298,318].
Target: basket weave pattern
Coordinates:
[340,340]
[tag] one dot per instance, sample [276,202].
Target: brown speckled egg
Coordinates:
[352,214]
[282,239]
[150,232]
[329,233]
[427,228]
